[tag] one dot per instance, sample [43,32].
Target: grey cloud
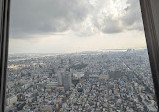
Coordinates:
[131,20]
[111,26]
[43,17]
[133,14]
[112,29]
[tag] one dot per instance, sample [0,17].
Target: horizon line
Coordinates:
[79,51]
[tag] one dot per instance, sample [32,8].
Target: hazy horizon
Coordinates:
[102,50]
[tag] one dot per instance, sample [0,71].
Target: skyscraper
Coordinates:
[67,80]
[59,78]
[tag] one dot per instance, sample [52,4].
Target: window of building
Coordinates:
[87,55]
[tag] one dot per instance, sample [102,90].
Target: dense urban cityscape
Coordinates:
[95,81]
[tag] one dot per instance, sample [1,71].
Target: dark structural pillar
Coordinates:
[4,31]
[150,15]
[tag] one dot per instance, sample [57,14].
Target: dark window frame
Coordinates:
[150,33]
[152,39]
[4,34]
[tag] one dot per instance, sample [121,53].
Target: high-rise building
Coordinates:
[64,78]
[60,78]
[67,81]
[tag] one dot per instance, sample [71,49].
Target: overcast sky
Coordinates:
[61,26]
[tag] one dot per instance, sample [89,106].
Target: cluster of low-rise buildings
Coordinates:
[81,82]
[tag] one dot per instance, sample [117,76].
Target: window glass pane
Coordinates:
[78,56]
